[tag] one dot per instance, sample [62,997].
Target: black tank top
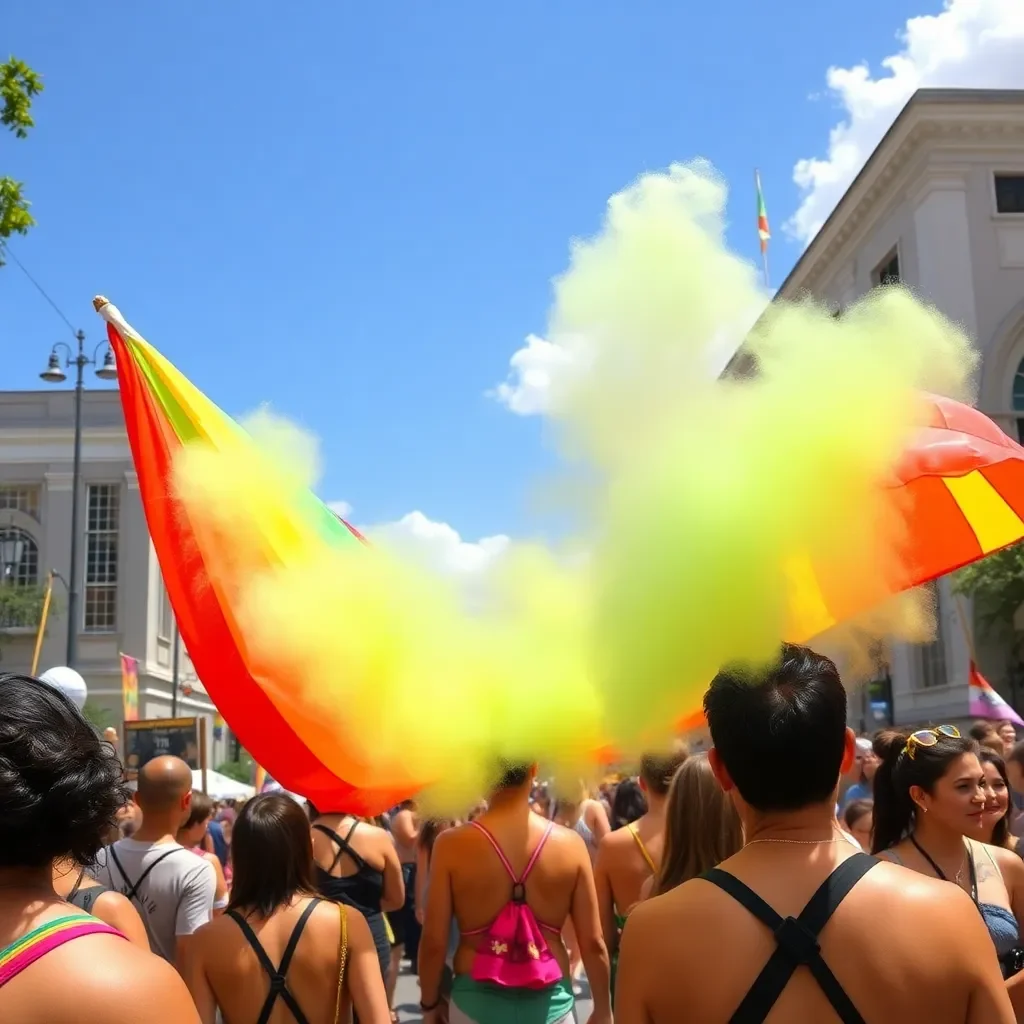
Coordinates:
[84,896]
[277,975]
[797,939]
[363,890]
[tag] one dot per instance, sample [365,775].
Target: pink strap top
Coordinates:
[518,884]
[45,939]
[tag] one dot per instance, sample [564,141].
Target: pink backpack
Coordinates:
[513,951]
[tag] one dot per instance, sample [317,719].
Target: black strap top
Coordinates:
[362,890]
[278,975]
[797,939]
[84,896]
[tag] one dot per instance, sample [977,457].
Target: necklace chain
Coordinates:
[800,842]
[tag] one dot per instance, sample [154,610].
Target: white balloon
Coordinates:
[69,682]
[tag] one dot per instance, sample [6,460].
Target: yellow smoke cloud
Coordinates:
[700,502]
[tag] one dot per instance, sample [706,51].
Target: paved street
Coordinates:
[407,998]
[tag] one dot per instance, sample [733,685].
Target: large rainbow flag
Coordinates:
[163,412]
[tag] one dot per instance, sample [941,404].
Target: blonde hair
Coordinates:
[702,827]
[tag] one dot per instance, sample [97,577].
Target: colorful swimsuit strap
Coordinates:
[643,849]
[511,872]
[47,937]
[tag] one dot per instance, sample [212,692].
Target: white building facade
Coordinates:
[939,206]
[123,605]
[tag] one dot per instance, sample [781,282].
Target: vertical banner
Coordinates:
[130,687]
[260,779]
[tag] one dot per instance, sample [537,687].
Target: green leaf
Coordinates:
[19,85]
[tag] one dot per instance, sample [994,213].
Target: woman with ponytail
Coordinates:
[930,798]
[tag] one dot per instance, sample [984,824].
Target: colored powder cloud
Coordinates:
[714,513]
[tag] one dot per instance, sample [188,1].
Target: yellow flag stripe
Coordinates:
[994,523]
[808,612]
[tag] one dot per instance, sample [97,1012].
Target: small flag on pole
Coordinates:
[763,232]
[986,703]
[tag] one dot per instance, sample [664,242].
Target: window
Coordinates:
[888,271]
[18,498]
[1018,399]
[933,655]
[101,539]
[19,558]
[1010,193]
[165,627]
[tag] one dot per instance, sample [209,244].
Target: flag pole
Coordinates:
[43,616]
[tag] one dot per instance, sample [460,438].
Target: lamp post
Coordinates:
[54,374]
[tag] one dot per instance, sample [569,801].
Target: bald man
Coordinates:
[172,887]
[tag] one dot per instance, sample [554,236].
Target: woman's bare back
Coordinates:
[241,984]
[481,886]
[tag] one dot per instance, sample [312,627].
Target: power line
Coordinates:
[39,288]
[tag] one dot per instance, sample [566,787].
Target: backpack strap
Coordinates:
[797,939]
[518,883]
[132,892]
[278,975]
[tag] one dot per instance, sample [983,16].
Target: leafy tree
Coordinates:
[996,584]
[19,85]
[20,608]
[243,770]
[100,717]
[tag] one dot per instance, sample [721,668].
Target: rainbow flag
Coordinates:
[985,702]
[164,412]
[130,687]
[763,232]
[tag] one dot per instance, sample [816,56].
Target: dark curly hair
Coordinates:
[61,785]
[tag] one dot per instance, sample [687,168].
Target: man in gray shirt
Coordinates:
[172,887]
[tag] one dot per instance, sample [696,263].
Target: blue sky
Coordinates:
[353,212]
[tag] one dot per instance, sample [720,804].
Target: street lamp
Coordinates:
[54,374]
[12,547]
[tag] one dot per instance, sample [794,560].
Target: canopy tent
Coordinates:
[221,787]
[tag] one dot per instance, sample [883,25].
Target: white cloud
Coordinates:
[536,371]
[439,546]
[970,44]
[340,508]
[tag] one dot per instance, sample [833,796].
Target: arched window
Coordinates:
[19,557]
[1018,399]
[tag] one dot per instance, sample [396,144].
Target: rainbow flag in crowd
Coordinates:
[985,702]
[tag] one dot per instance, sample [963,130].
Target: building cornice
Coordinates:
[946,125]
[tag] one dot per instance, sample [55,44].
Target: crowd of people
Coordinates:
[709,886]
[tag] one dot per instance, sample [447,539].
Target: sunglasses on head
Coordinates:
[928,738]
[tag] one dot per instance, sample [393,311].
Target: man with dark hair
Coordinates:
[789,926]
[628,856]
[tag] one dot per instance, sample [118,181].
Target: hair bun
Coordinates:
[889,743]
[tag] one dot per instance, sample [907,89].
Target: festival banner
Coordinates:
[986,703]
[130,687]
